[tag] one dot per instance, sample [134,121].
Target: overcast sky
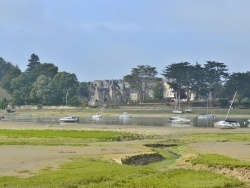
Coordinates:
[105,39]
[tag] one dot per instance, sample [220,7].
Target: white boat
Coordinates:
[189,110]
[177,111]
[125,115]
[181,120]
[69,119]
[97,116]
[228,124]
[176,117]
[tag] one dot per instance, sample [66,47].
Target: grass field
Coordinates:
[94,172]
[61,137]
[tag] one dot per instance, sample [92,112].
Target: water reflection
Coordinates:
[96,118]
[181,125]
[124,121]
[204,122]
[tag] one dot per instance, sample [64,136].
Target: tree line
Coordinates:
[211,81]
[42,83]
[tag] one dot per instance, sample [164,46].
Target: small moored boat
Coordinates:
[125,115]
[177,112]
[69,119]
[227,124]
[189,110]
[97,116]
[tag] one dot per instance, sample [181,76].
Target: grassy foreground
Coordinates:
[87,172]
[93,173]
[60,137]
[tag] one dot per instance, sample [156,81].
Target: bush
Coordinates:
[3,103]
[223,102]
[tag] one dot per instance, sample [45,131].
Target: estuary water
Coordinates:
[134,121]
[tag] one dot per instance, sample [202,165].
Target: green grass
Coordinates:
[60,137]
[91,173]
[219,160]
[219,137]
[99,174]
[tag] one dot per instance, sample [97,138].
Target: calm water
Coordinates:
[135,121]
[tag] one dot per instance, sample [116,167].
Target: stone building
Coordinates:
[109,92]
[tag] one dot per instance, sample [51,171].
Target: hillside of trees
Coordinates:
[43,84]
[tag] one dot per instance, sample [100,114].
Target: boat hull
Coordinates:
[125,115]
[69,119]
[96,116]
[224,124]
[177,111]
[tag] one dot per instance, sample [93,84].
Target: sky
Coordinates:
[106,39]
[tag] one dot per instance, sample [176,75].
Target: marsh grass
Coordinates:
[220,137]
[61,137]
[99,174]
[219,160]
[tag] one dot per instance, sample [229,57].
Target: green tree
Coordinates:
[21,89]
[5,67]
[238,82]
[73,101]
[46,69]
[3,103]
[142,79]
[216,74]
[63,83]
[158,90]
[83,89]
[41,91]
[7,78]
[33,62]
[199,81]
[179,76]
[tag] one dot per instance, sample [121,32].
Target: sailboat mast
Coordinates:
[67,102]
[231,105]
[179,105]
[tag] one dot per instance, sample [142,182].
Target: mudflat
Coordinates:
[27,160]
